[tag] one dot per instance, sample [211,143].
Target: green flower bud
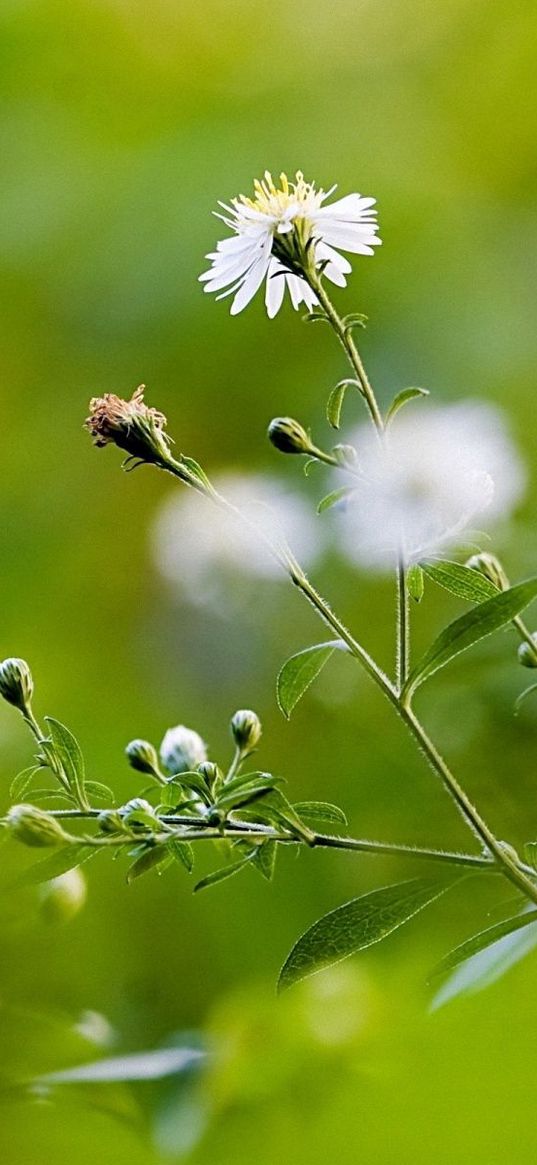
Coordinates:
[491,568]
[246,729]
[527,655]
[34,827]
[61,898]
[142,756]
[182,750]
[289,436]
[211,774]
[16,683]
[110,821]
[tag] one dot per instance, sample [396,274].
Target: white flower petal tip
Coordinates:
[271,232]
[445,472]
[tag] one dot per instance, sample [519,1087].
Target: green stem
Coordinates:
[403,627]
[344,336]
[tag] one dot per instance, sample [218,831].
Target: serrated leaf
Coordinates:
[182,852]
[21,783]
[334,497]
[462,581]
[357,925]
[98,790]
[68,753]
[401,399]
[335,401]
[58,863]
[151,859]
[414,582]
[264,858]
[320,811]
[224,872]
[300,671]
[476,624]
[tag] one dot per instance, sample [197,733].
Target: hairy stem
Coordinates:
[403,627]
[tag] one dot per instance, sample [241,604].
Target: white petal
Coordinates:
[275,289]
[251,284]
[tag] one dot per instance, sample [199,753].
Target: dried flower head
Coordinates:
[129,424]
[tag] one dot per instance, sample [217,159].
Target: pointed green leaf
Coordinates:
[152,858]
[357,925]
[300,671]
[320,811]
[264,858]
[182,852]
[224,872]
[520,699]
[479,942]
[462,581]
[414,582]
[335,401]
[68,753]
[59,862]
[21,783]
[401,399]
[337,495]
[470,628]
[100,791]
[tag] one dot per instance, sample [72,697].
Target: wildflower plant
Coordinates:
[405,494]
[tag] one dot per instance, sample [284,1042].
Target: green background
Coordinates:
[122,123]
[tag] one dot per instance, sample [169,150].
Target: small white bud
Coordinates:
[246,729]
[182,750]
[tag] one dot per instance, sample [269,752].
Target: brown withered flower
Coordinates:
[129,424]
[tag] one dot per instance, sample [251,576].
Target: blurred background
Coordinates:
[122,124]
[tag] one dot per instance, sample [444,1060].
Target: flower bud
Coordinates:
[345,454]
[110,821]
[491,568]
[142,756]
[139,812]
[34,827]
[61,898]
[210,773]
[246,729]
[289,436]
[182,750]
[527,655]
[16,683]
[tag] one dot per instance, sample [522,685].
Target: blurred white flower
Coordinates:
[207,553]
[274,228]
[182,750]
[441,472]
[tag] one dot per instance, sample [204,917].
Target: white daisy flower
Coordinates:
[440,473]
[279,233]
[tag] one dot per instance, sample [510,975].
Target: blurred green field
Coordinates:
[121,125]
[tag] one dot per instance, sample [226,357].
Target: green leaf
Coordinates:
[334,497]
[59,862]
[320,811]
[462,581]
[487,965]
[470,628]
[279,811]
[480,942]
[335,401]
[68,753]
[148,1065]
[196,472]
[264,858]
[223,873]
[530,853]
[300,671]
[316,317]
[357,925]
[21,783]
[354,319]
[520,699]
[151,859]
[182,852]
[100,791]
[414,582]
[401,399]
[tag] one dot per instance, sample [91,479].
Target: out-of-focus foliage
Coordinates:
[122,123]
